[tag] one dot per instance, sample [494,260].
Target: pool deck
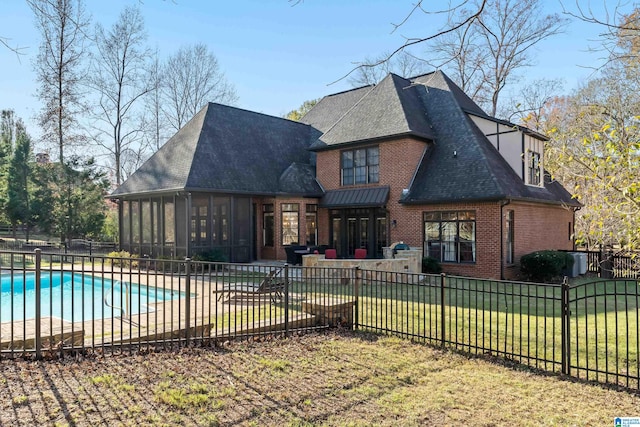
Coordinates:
[210,317]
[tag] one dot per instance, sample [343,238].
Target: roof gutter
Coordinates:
[502,205]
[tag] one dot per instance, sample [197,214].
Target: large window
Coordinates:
[510,238]
[290,223]
[312,225]
[450,236]
[535,168]
[360,166]
[268,230]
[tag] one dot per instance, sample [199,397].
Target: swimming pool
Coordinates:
[76,297]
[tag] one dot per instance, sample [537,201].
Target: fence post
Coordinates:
[286,300]
[187,309]
[442,314]
[38,337]
[566,328]
[356,290]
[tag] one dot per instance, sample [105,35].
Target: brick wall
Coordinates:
[398,162]
[538,227]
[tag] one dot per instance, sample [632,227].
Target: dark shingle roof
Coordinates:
[229,150]
[300,178]
[462,164]
[226,149]
[388,109]
[332,107]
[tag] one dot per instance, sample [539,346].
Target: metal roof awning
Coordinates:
[355,197]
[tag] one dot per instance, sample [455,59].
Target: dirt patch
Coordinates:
[337,378]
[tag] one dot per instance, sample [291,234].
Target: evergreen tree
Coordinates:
[17,205]
[69,198]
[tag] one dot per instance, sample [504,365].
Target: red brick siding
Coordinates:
[398,162]
[538,227]
[487,235]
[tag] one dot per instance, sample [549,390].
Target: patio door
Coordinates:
[353,229]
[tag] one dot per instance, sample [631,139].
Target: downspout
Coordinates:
[502,205]
[188,225]
[524,159]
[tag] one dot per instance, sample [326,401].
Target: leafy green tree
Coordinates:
[595,151]
[110,226]
[7,135]
[18,204]
[69,199]
[298,113]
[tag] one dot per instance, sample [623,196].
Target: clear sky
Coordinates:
[277,55]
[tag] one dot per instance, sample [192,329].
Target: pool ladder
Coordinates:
[124,311]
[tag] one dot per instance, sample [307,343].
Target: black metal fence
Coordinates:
[52,302]
[586,330]
[74,247]
[55,303]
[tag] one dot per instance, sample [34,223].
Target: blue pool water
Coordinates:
[75,297]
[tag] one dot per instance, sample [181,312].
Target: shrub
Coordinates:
[122,259]
[545,265]
[430,265]
[212,255]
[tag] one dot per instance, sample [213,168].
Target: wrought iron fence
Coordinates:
[55,303]
[587,330]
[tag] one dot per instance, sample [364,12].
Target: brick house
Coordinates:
[412,160]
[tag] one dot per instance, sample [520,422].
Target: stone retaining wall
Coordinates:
[403,269]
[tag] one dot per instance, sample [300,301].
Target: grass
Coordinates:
[520,321]
[334,379]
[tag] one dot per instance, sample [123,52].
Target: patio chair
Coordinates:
[360,253]
[271,285]
[330,254]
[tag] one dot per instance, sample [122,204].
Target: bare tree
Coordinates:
[403,64]
[466,19]
[62,25]
[6,42]
[118,76]
[460,53]
[485,56]
[528,106]
[620,27]
[155,126]
[192,77]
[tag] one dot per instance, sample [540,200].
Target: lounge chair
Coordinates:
[271,285]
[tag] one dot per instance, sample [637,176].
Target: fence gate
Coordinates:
[601,334]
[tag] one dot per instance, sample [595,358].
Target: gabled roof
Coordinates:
[462,165]
[230,150]
[388,109]
[332,107]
